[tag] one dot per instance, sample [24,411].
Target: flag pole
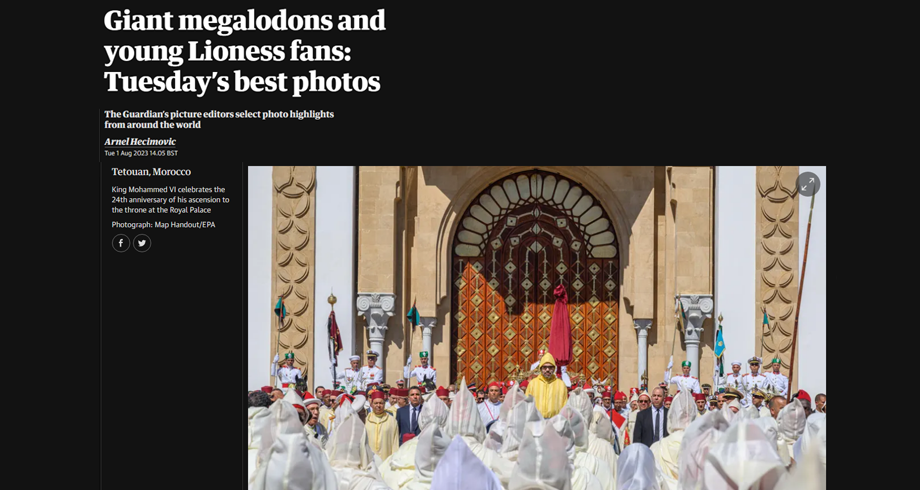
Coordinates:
[680,317]
[677,327]
[798,303]
[277,343]
[715,358]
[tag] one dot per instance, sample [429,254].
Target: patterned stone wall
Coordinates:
[777,261]
[293,203]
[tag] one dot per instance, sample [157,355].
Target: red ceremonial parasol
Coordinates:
[560,334]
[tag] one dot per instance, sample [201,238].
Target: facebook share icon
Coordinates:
[121,243]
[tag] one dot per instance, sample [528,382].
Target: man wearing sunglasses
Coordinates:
[643,401]
[752,381]
[651,421]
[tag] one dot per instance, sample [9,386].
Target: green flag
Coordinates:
[413,315]
[280,310]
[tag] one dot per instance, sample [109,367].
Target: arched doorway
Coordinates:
[520,238]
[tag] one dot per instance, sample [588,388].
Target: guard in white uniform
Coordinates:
[685,381]
[420,373]
[734,378]
[753,380]
[351,378]
[777,379]
[288,374]
[371,373]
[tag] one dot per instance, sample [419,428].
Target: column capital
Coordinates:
[429,321]
[376,308]
[642,324]
[697,308]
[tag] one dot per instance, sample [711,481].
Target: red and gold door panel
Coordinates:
[518,240]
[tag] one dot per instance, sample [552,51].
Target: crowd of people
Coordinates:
[539,433]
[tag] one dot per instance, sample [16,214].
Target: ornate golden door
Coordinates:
[519,239]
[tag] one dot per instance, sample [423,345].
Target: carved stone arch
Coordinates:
[486,176]
[516,240]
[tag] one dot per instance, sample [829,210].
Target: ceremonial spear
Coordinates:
[798,304]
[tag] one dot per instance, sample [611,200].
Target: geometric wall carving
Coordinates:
[292,261]
[778,259]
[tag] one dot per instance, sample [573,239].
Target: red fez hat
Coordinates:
[669,399]
[378,395]
[525,383]
[442,391]
[373,383]
[495,383]
[406,437]
[266,389]
[504,390]
[619,396]
[699,396]
[606,394]
[803,395]
[299,406]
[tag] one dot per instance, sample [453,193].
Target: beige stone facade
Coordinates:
[293,205]
[663,217]
[777,260]
[407,217]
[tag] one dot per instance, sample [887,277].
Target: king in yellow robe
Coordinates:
[549,394]
[382,434]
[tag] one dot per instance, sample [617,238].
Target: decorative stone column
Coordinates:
[376,308]
[697,307]
[642,326]
[428,322]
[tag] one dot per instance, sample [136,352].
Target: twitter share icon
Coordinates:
[142,243]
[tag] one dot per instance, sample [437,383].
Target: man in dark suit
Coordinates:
[652,423]
[407,417]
